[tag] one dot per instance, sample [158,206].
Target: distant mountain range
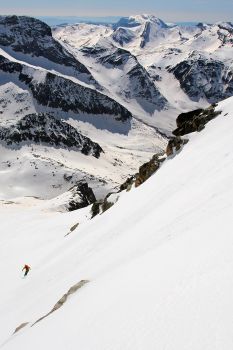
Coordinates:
[92,102]
[60,20]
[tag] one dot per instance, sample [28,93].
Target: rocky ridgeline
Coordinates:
[187,123]
[144,173]
[53,91]
[200,77]
[32,36]
[79,196]
[46,129]
[137,83]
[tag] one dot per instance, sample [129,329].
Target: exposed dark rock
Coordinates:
[99,207]
[148,169]
[187,123]
[206,78]
[73,228]
[46,129]
[145,36]
[106,205]
[145,172]
[32,36]
[184,117]
[62,301]
[122,36]
[128,183]
[17,329]
[174,145]
[96,208]
[58,92]
[194,120]
[81,196]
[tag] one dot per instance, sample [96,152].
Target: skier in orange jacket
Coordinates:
[26,268]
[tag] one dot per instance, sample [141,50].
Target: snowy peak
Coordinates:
[31,40]
[137,20]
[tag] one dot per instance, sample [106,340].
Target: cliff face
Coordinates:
[31,36]
[57,92]
[201,77]
[47,130]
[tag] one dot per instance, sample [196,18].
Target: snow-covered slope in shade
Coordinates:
[159,262]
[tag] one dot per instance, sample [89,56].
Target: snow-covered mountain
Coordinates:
[54,117]
[31,40]
[155,270]
[187,64]
[120,87]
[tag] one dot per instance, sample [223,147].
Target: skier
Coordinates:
[26,268]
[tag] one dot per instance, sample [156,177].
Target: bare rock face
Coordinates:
[148,169]
[205,78]
[45,129]
[194,120]
[174,145]
[63,299]
[32,36]
[145,172]
[17,329]
[57,92]
[187,123]
[81,196]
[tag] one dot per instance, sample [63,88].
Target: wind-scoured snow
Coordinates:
[159,261]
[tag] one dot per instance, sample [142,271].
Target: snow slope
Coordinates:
[42,170]
[159,261]
[38,75]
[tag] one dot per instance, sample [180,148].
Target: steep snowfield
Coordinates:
[159,261]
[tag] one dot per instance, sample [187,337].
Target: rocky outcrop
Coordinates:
[64,298]
[187,123]
[53,91]
[17,329]
[32,36]
[204,78]
[194,120]
[46,129]
[81,196]
[145,172]
[99,207]
[145,36]
[148,169]
[122,36]
[174,145]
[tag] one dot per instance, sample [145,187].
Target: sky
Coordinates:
[169,10]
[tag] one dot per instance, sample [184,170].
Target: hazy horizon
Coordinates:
[168,10]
